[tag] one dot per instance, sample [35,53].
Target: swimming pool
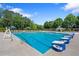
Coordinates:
[41,41]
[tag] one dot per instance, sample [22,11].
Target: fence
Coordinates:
[53,29]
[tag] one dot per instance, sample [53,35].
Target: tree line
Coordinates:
[16,20]
[69,22]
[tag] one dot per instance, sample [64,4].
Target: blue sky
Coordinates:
[41,12]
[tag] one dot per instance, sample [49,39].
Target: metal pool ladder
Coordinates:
[7,34]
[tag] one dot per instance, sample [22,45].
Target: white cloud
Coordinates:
[16,10]
[74,7]
[19,10]
[26,15]
[75,11]
[70,6]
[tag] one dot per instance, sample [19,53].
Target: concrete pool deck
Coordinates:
[19,48]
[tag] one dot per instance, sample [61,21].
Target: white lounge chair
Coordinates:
[58,46]
[58,42]
[65,38]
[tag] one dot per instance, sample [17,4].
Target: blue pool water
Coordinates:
[41,41]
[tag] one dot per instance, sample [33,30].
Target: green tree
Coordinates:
[7,18]
[14,19]
[69,21]
[51,24]
[77,22]
[33,26]
[57,22]
[40,27]
[18,21]
[27,22]
[48,25]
